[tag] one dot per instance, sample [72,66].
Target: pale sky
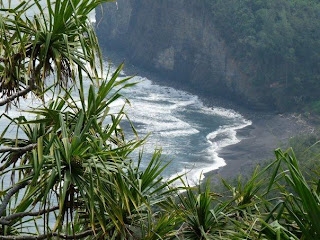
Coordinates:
[15,3]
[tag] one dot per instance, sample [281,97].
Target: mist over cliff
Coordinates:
[178,40]
[256,53]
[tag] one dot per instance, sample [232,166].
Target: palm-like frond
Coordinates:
[204,216]
[55,37]
[82,164]
[300,211]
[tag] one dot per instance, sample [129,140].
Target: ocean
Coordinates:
[189,133]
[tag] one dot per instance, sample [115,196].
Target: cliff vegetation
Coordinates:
[277,44]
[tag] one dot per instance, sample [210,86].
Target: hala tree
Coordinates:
[69,169]
[40,38]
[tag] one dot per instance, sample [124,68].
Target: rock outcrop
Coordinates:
[178,40]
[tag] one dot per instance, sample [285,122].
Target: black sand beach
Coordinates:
[259,140]
[269,130]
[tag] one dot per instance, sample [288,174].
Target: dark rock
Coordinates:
[177,40]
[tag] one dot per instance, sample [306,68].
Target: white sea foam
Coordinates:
[153,106]
[183,132]
[175,119]
[156,108]
[223,112]
[224,136]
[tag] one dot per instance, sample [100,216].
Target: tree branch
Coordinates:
[10,193]
[16,95]
[18,149]
[46,236]
[6,220]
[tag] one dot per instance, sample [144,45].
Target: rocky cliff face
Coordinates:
[176,39]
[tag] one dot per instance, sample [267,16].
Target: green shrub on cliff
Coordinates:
[67,172]
[280,40]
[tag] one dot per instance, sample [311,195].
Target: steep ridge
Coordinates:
[177,40]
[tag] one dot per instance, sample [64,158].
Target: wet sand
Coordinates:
[259,140]
[269,130]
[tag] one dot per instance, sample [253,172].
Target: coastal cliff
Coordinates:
[178,41]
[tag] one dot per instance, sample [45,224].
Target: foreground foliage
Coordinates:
[277,202]
[71,172]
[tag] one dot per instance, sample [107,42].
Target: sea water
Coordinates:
[189,133]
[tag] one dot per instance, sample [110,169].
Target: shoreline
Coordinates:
[269,129]
[258,142]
